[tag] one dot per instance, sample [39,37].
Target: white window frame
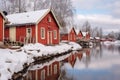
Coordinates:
[43,74]
[55,34]
[55,69]
[51,68]
[49,19]
[30,31]
[42,36]
[48,70]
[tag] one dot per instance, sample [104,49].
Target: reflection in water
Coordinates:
[102,62]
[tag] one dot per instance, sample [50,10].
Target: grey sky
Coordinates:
[100,13]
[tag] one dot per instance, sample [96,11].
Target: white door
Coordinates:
[49,37]
[28,32]
[12,33]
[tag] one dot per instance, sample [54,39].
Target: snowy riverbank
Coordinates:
[117,42]
[13,61]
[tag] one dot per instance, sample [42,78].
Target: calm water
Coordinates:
[101,62]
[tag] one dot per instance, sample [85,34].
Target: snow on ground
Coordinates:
[117,42]
[13,60]
[40,66]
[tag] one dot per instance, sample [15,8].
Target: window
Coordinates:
[55,69]
[42,33]
[55,34]
[43,75]
[49,19]
[28,32]
[51,69]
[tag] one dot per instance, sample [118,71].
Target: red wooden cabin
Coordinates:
[2,22]
[68,34]
[79,35]
[33,27]
[88,36]
[83,36]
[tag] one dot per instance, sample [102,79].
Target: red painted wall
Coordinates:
[21,32]
[72,35]
[6,33]
[1,28]
[49,26]
[88,36]
[64,36]
[80,36]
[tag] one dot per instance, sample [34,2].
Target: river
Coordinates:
[101,62]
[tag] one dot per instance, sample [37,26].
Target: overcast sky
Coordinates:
[100,13]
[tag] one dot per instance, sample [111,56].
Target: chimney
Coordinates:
[5,13]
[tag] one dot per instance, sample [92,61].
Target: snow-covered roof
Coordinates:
[84,33]
[27,17]
[77,31]
[97,37]
[32,17]
[91,38]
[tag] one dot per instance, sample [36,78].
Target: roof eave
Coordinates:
[49,10]
[11,25]
[4,17]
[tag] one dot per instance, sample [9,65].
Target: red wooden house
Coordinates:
[35,26]
[79,35]
[68,34]
[2,22]
[82,36]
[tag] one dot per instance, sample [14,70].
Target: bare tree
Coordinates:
[13,6]
[101,32]
[87,26]
[63,9]
[5,6]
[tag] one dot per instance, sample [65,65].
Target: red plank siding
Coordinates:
[21,32]
[70,36]
[6,33]
[1,27]
[64,36]
[49,26]
[80,36]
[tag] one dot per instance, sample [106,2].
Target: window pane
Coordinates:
[55,34]
[43,33]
